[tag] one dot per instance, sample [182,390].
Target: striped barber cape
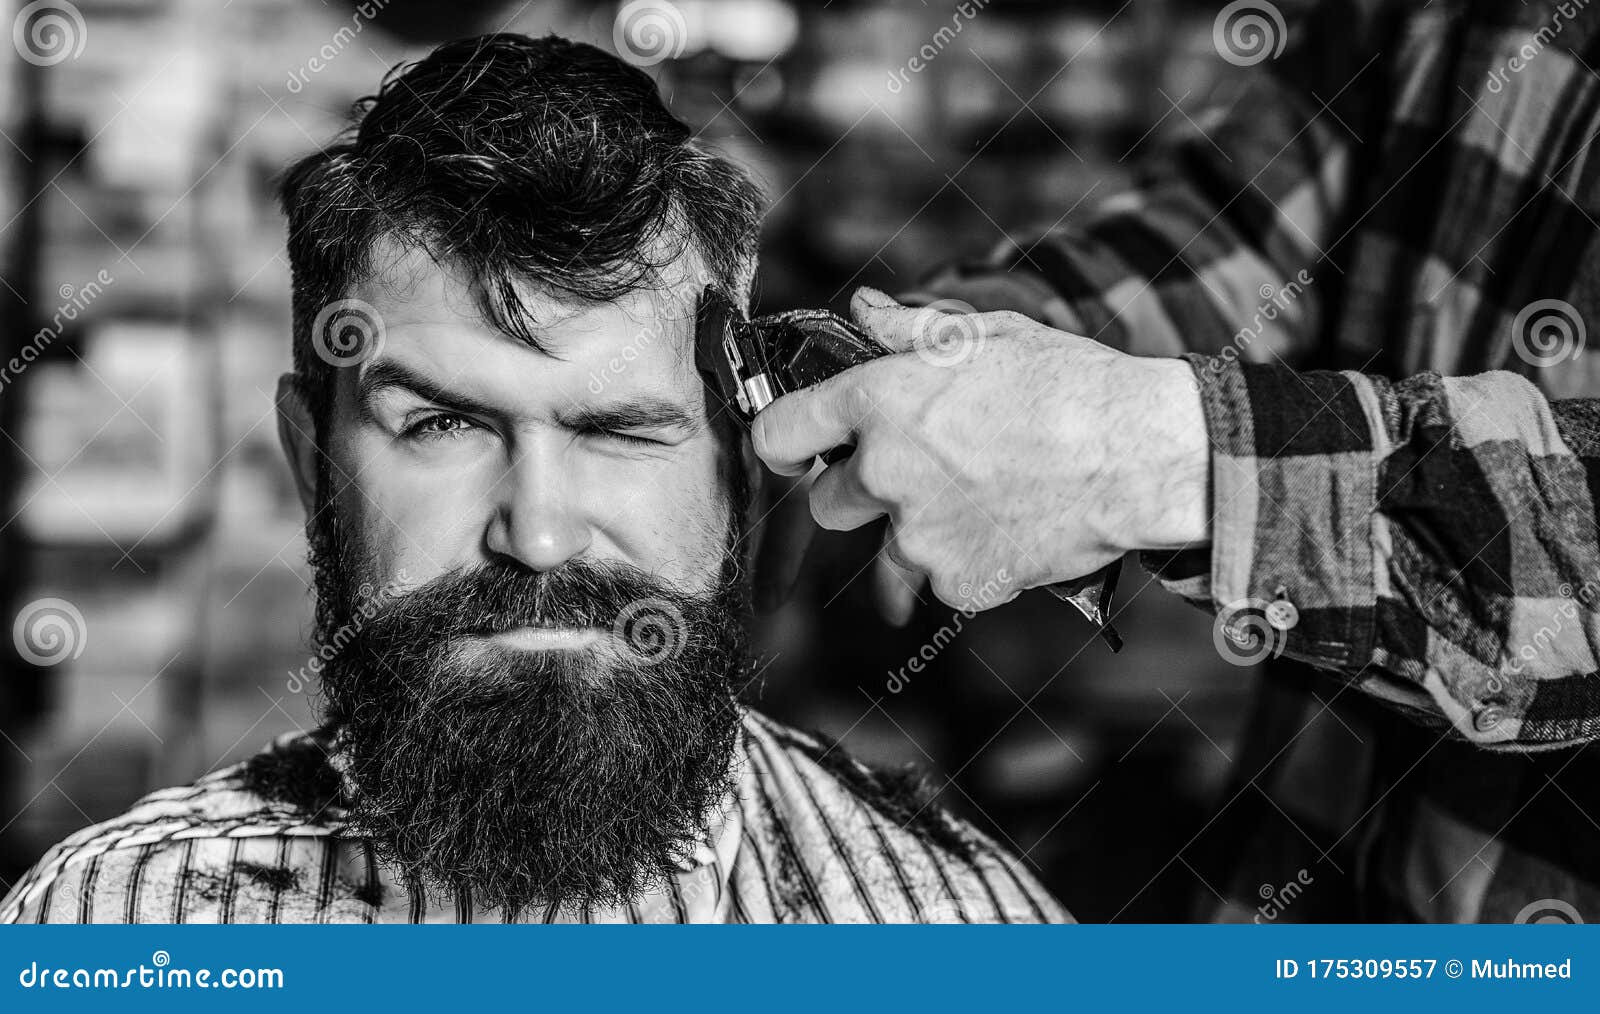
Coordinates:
[803,838]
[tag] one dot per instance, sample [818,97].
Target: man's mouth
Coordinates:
[548,638]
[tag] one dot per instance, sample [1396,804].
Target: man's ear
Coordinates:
[297,434]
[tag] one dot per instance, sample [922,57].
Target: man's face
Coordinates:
[462,445]
[527,568]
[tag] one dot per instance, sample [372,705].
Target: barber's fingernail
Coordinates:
[874,297]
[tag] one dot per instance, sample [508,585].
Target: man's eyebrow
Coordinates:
[641,413]
[387,373]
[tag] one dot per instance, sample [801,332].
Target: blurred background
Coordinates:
[149,521]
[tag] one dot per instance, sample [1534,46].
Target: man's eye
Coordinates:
[626,438]
[436,425]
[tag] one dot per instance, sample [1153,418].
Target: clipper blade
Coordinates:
[1091,596]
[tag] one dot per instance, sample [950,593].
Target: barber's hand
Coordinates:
[1004,452]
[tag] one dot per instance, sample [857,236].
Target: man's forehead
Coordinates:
[438,333]
[408,280]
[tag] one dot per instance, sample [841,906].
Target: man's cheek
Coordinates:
[417,529]
[681,534]
[686,553]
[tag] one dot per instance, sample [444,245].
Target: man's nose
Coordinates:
[536,519]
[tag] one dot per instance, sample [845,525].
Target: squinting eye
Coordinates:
[622,437]
[436,425]
[630,438]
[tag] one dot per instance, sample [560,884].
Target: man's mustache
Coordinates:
[495,597]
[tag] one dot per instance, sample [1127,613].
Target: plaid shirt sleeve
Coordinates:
[1434,539]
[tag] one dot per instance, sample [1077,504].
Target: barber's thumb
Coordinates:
[891,324]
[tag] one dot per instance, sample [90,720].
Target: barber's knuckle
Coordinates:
[957,592]
[954,583]
[858,399]
[915,548]
[921,421]
[872,474]
[1007,320]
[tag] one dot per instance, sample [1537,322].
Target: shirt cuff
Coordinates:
[1293,492]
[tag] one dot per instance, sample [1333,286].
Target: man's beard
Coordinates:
[531,778]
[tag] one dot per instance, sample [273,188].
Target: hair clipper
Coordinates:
[751,363]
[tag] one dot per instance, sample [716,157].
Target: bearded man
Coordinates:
[528,538]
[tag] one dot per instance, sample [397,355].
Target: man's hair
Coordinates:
[518,160]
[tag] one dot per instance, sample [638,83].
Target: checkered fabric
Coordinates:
[1403,199]
[803,838]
